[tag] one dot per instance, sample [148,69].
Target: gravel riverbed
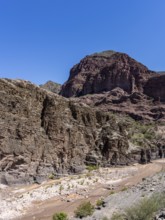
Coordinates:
[17,202]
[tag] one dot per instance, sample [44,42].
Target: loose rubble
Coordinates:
[16,201]
[118,202]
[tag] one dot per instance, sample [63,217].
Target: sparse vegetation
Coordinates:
[124,188]
[139,134]
[80,176]
[83,210]
[117,216]
[100,203]
[61,188]
[144,210]
[89,175]
[96,180]
[91,167]
[105,218]
[82,182]
[60,216]
[51,176]
[111,192]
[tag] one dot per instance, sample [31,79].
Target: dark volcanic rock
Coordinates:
[137,105]
[52,86]
[155,87]
[115,82]
[104,72]
[42,133]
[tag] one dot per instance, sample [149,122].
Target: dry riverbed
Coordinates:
[41,201]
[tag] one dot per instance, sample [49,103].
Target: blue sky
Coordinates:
[41,40]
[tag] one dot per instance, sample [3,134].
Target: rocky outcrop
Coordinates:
[104,72]
[42,133]
[115,82]
[155,88]
[137,105]
[51,86]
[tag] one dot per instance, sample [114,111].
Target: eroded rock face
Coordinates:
[112,81]
[42,133]
[155,87]
[105,71]
[137,105]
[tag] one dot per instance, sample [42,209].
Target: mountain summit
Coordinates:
[105,71]
[113,81]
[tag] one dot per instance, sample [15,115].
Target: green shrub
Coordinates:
[91,167]
[83,210]
[100,203]
[140,134]
[51,176]
[144,210]
[117,216]
[61,188]
[124,188]
[60,216]
[111,192]
[105,218]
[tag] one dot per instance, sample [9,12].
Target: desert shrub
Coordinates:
[117,216]
[83,210]
[111,192]
[100,203]
[142,133]
[61,188]
[144,210]
[60,216]
[89,175]
[124,189]
[105,218]
[137,132]
[91,167]
[51,176]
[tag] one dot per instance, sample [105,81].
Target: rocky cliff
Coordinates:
[105,71]
[113,81]
[155,87]
[42,134]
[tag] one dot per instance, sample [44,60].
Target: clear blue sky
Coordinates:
[41,40]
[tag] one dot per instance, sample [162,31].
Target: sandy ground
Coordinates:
[40,202]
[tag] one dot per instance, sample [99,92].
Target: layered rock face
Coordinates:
[115,82]
[104,72]
[42,133]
